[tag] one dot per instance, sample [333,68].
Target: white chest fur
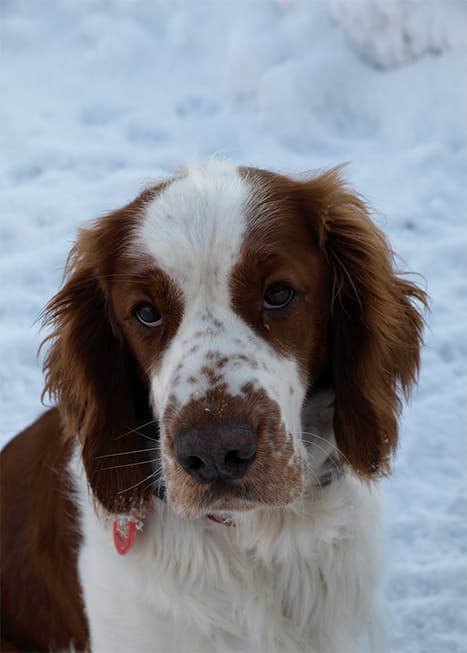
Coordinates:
[302,579]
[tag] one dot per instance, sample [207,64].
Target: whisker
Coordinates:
[335,470]
[316,485]
[149,485]
[331,444]
[158,479]
[158,474]
[142,462]
[332,461]
[143,435]
[126,453]
[137,484]
[136,430]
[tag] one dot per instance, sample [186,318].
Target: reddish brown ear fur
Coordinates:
[90,371]
[376,330]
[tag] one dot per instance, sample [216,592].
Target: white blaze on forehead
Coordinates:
[193,229]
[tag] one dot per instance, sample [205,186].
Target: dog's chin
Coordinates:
[222,507]
[225,505]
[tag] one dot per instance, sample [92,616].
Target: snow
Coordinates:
[99,97]
[392,33]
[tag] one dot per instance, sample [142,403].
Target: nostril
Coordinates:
[194,463]
[231,458]
[236,456]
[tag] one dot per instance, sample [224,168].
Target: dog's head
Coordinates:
[198,325]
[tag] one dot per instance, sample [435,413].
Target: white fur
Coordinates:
[300,578]
[193,230]
[305,578]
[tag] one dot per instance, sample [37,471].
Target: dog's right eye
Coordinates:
[148,315]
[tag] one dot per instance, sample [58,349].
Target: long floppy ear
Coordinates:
[376,328]
[92,375]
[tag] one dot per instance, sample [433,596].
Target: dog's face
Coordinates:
[229,324]
[229,296]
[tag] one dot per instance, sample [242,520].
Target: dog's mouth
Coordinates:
[228,490]
[229,496]
[220,500]
[275,478]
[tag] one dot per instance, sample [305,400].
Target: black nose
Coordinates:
[211,453]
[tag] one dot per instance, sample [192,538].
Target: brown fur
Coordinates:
[91,370]
[276,476]
[375,328]
[354,327]
[41,604]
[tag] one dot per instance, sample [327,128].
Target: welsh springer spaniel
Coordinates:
[227,358]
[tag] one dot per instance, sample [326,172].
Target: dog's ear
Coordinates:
[376,326]
[91,373]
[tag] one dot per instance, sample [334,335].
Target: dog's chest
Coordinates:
[278,583]
[188,587]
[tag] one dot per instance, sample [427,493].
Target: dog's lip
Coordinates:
[227,507]
[219,500]
[229,497]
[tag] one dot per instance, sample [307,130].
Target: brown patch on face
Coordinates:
[355,322]
[279,247]
[276,476]
[97,364]
[147,284]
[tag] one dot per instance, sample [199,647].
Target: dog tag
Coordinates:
[124,530]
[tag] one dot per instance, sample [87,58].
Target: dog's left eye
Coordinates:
[148,315]
[278,295]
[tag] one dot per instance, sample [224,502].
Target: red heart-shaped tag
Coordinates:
[124,530]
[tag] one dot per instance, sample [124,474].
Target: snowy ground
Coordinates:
[98,97]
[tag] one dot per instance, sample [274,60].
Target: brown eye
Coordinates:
[148,315]
[278,295]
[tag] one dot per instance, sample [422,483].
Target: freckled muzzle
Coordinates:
[228,453]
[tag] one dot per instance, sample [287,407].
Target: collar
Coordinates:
[332,470]
[158,491]
[125,526]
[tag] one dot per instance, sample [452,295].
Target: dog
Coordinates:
[227,357]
